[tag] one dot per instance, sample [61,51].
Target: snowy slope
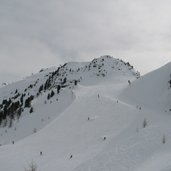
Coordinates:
[144,145]
[28,123]
[72,132]
[152,90]
[99,124]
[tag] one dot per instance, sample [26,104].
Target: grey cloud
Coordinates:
[40,33]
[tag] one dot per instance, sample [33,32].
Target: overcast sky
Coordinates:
[36,34]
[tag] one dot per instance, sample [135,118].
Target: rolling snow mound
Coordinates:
[152,90]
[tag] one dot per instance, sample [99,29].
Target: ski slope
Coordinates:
[99,122]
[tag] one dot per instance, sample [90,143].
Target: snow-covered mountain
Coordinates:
[90,116]
[31,100]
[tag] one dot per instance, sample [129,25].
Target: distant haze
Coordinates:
[36,34]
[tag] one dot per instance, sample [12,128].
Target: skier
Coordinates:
[129,82]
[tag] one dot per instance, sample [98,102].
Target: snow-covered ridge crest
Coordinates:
[103,66]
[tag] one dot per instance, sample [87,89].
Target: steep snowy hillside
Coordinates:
[29,105]
[152,90]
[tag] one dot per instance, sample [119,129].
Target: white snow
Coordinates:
[98,122]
